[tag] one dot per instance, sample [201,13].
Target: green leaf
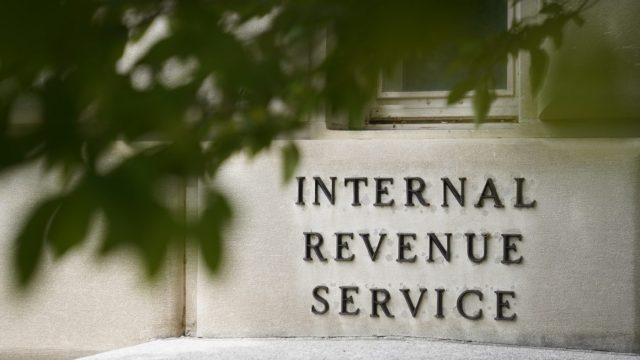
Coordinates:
[211,249]
[290,159]
[551,8]
[70,223]
[538,69]
[557,37]
[459,91]
[482,99]
[210,229]
[356,119]
[30,241]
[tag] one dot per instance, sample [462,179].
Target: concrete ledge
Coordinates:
[343,348]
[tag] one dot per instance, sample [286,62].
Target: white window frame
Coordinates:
[429,108]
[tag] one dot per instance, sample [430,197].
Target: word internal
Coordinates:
[414,190]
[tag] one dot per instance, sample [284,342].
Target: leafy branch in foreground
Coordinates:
[217,78]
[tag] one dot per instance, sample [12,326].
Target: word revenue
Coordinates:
[468,304]
[415,189]
[477,253]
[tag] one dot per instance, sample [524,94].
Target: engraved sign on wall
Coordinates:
[321,192]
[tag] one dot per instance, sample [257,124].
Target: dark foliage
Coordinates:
[255,70]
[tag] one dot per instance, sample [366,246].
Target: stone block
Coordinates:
[567,267]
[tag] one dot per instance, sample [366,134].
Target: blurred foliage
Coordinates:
[225,77]
[592,87]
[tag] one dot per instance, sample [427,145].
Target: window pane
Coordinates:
[419,73]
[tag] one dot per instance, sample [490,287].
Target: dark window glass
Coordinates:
[433,73]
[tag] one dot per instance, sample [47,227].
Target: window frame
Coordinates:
[429,108]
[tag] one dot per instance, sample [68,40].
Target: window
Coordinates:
[416,92]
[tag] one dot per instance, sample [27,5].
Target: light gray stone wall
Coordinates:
[577,286]
[79,304]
